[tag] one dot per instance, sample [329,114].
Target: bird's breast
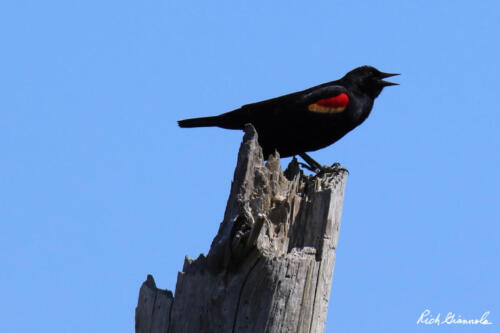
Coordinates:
[359,109]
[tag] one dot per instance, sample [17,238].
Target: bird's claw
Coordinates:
[329,169]
[322,169]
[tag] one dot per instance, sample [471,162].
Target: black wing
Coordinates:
[290,105]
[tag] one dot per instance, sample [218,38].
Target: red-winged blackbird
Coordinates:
[307,120]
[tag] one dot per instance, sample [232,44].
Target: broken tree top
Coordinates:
[270,266]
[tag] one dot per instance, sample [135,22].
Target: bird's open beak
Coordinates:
[387,83]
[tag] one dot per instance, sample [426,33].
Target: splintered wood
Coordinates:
[270,266]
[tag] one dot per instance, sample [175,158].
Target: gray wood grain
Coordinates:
[270,266]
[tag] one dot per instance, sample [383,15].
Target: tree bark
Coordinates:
[270,266]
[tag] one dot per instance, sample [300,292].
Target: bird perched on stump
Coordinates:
[306,120]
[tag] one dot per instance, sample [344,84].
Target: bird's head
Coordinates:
[368,80]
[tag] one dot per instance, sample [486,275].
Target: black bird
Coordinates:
[306,120]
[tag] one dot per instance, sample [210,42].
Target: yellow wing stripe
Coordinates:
[325,109]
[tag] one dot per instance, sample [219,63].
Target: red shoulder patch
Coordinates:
[333,104]
[339,101]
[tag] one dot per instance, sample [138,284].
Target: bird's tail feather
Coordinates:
[200,122]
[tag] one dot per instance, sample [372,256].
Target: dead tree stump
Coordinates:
[270,266]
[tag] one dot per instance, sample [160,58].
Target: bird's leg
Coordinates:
[311,163]
[306,166]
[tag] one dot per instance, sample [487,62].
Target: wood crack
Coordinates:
[241,293]
[318,276]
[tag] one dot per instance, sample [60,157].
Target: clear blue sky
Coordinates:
[99,187]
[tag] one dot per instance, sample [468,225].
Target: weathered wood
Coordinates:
[270,266]
[153,308]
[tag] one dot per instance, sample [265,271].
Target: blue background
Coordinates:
[99,187]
